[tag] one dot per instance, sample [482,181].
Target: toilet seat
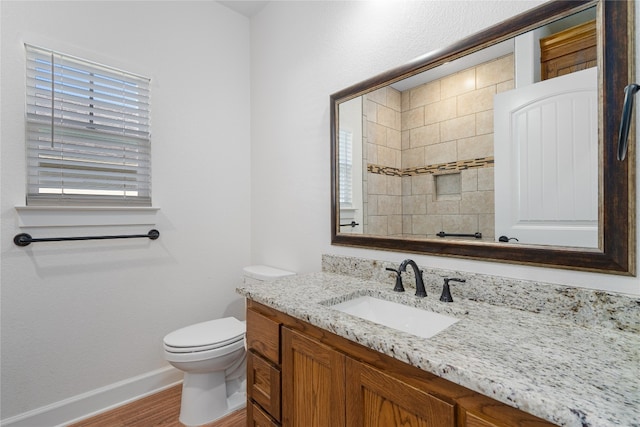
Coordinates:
[206,336]
[196,349]
[205,355]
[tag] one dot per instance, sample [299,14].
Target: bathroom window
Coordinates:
[346,165]
[87,133]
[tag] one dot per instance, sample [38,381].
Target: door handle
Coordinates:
[625,122]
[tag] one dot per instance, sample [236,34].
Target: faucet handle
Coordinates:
[398,287]
[446,292]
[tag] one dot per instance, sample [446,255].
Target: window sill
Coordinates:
[74,216]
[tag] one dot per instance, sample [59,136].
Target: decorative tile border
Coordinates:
[383,170]
[482,162]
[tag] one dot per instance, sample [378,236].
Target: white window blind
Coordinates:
[345,165]
[88,133]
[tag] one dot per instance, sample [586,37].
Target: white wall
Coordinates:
[77,316]
[301,53]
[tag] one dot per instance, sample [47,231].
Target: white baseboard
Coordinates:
[96,401]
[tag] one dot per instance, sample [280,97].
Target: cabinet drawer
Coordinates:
[263,384]
[263,336]
[257,418]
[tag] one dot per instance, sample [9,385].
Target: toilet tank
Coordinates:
[255,274]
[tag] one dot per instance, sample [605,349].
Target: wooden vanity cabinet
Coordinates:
[328,381]
[323,387]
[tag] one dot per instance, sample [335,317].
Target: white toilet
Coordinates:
[213,357]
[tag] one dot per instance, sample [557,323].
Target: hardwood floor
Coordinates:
[161,409]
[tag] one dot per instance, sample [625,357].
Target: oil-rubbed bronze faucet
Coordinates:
[420,291]
[446,292]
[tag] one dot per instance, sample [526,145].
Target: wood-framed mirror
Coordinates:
[416,168]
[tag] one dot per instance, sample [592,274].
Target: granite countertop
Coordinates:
[568,374]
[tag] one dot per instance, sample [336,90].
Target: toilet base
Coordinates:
[236,401]
[204,398]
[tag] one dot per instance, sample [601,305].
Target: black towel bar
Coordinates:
[351,224]
[443,234]
[24,239]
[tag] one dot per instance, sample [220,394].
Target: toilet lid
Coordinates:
[206,335]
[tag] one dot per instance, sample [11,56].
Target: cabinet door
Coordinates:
[313,381]
[375,399]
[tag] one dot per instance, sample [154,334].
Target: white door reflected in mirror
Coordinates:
[546,161]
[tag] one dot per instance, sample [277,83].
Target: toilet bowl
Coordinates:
[212,356]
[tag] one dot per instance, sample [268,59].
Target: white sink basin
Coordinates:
[397,316]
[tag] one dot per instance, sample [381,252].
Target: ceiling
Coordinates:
[245,7]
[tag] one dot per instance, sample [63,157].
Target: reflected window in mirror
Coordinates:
[350,165]
[346,169]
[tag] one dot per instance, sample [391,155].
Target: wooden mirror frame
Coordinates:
[616,226]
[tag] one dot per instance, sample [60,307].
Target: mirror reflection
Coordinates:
[499,145]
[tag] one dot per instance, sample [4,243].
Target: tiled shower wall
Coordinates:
[439,176]
[382,148]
